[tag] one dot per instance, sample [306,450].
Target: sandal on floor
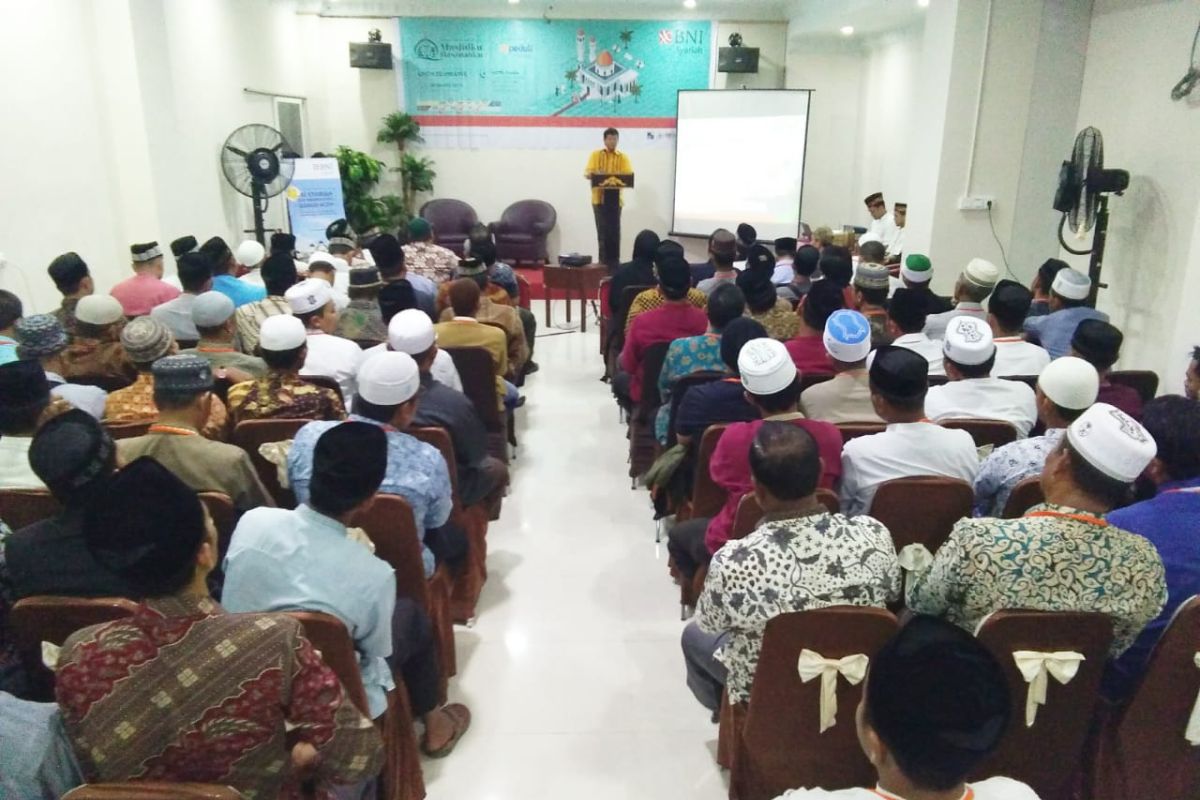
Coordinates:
[460,716]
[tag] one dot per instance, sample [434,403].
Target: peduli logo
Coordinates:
[427,49]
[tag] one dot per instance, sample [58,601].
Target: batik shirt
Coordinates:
[283,396]
[503,276]
[685,357]
[781,321]
[65,314]
[135,403]
[362,321]
[1009,465]
[98,357]
[1054,558]
[653,298]
[183,691]
[430,261]
[250,318]
[792,563]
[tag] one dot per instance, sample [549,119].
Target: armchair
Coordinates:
[452,221]
[522,230]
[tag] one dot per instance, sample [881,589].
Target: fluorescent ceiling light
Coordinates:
[923,3]
[847,30]
[689,3]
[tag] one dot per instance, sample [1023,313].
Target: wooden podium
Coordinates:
[611,184]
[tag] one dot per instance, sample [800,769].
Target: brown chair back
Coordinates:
[22,507]
[1144,752]
[152,790]
[251,433]
[922,509]
[627,296]
[1025,495]
[781,746]
[325,382]
[852,430]
[128,430]
[995,432]
[53,619]
[750,513]
[478,374]
[1046,755]
[707,496]
[652,364]
[1144,381]
[1028,380]
[331,639]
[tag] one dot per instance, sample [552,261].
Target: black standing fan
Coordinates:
[258,162]
[1082,197]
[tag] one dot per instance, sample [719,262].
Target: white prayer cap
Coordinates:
[411,331]
[1112,442]
[1071,284]
[1070,382]
[250,253]
[281,332]
[766,367]
[309,295]
[211,309]
[99,309]
[847,336]
[388,379]
[982,272]
[968,341]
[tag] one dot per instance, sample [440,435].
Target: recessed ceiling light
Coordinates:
[513,2]
[923,3]
[689,3]
[847,30]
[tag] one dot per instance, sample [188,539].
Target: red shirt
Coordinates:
[141,293]
[808,353]
[663,324]
[730,468]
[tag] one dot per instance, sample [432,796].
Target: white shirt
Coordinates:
[884,229]
[176,315]
[896,246]
[91,399]
[783,272]
[334,357]
[935,324]
[929,349]
[984,398]
[15,472]
[991,789]
[1015,356]
[905,449]
[442,369]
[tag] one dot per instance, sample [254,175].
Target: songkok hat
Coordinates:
[182,375]
[350,460]
[722,243]
[147,251]
[23,386]
[759,257]
[871,198]
[917,268]
[339,232]
[900,372]
[39,335]
[146,526]
[847,336]
[419,228]
[388,379]
[937,698]
[211,309]
[1112,442]
[747,234]
[1098,341]
[1071,284]
[1070,382]
[365,278]
[898,205]
[411,331]
[281,332]
[250,253]
[871,276]
[968,341]
[309,295]
[674,273]
[184,244]
[146,339]
[981,272]
[283,243]
[99,309]
[277,267]
[71,451]
[216,251]
[785,243]
[766,367]
[470,267]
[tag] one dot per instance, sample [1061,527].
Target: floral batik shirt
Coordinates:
[1009,465]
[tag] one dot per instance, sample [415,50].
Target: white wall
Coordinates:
[1135,55]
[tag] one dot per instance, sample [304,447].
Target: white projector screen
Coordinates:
[739,157]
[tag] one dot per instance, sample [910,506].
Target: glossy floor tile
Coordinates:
[572,669]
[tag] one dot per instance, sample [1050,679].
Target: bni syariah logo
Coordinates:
[427,49]
[666,36]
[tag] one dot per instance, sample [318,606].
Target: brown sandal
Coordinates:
[460,716]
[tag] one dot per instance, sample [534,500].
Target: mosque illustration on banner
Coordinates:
[602,76]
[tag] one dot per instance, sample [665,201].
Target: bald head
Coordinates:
[464,297]
[784,461]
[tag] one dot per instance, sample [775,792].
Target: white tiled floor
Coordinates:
[573,670]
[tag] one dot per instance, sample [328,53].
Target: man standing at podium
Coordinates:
[608,226]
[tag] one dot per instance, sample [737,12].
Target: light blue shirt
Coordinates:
[91,399]
[8,349]
[36,759]
[239,292]
[1055,330]
[280,560]
[416,471]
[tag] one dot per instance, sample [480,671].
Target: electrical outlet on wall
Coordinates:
[975,202]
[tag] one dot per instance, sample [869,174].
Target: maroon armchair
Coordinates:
[452,221]
[522,230]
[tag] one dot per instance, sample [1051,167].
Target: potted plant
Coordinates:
[360,174]
[416,174]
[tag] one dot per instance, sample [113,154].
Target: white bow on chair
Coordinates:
[1035,666]
[915,557]
[812,664]
[1192,734]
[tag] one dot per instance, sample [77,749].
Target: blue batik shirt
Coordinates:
[685,357]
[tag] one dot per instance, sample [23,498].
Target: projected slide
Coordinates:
[739,157]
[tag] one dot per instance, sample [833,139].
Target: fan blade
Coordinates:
[236,151]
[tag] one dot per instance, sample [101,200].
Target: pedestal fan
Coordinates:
[258,162]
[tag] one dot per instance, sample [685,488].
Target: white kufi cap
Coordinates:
[281,332]
[766,367]
[968,341]
[847,336]
[250,253]
[982,272]
[99,309]
[308,295]
[411,331]
[1070,382]
[388,379]
[1071,284]
[1112,442]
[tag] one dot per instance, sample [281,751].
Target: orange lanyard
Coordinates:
[215,350]
[1084,518]
[969,795]
[170,430]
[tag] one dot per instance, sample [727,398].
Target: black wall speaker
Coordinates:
[371,55]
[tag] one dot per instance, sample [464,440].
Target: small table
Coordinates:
[580,279]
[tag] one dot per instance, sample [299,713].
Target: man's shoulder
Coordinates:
[311,431]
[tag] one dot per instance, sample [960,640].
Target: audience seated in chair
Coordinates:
[799,558]
[465,330]
[972,392]
[804,264]
[1062,555]
[304,559]
[491,311]
[722,252]
[1067,308]
[762,303]
[282,393]
[1066,388]
[278,275]
[807,348]
[216,322]
[24,397]
[500,275]
[74,281]
[173,721]
[146,288]
[871,288]
[399,326]
[1099,343]
[771,385]
[906,313]
[389,258]
[312,302]
[41,337]
[651,299]
[362,322]
[638,271]
[911,445]
[423,257]
[935,706]
[196,278]
[1007,309]
[1169,520]
[224,271]
[723,400]
[847,396]
[974,284]
[95,351]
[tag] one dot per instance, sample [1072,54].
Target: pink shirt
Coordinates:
[141,293]
[729,468]
[663,324]
[809,355]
